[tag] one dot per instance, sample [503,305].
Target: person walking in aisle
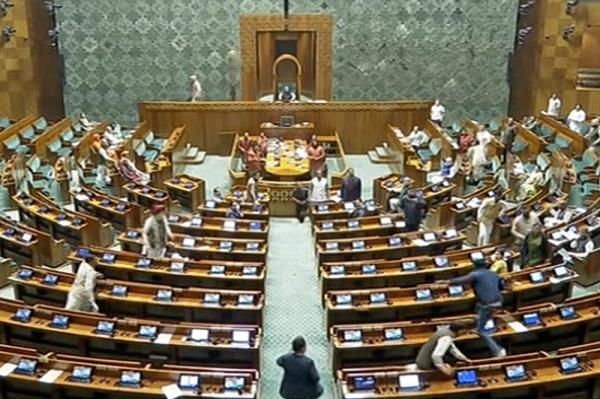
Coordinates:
[300,377]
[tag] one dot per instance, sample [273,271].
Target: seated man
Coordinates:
[287,95]
[418,138]
[234,212]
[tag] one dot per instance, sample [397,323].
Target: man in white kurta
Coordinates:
[418,137]
[554,105]
[196,88]
[576,119]
[437,112]
[318,188]
[156,233]
[81,294]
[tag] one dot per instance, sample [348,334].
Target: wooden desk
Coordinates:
[410,244]
[141,301]
[298,131]
[553,333]
[204,274]
[76,228]
[122,215]
[218,227]
[361,124]
[401,303]
[11,131]
[146,196]
[106,376]
[125,343]
[27,245]
[579,143]
[544,379]
[189,191]
[387,187]
[405,272]
[203,247]
[331,210]
[382,225]
[281,163]
[212,209]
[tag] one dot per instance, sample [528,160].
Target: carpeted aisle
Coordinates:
[293,303]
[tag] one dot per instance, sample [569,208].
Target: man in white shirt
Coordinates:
[437,112]
[196,88]
[554,105]
[523,224]
[318,188]
[576,119]
[81,295]
[484,137]
[418,137]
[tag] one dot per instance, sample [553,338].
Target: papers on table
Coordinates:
[172,391]
[163,338]
[50,376]
[474,203]
[517,326]
[419,242]
[7,368]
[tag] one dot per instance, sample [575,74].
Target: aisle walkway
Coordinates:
[293,305]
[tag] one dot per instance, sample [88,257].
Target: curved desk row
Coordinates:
[95,334]
[39,285]
[573,322]
[534,285]
[125,266]
[30,374]
[203,248]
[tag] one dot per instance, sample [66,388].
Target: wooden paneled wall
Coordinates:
[212,126]
[547,63]
[29,66]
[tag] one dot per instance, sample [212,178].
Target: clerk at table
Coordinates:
[351,187]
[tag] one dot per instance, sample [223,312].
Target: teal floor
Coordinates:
[293,304]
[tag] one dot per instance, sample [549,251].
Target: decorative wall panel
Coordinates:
[120,52]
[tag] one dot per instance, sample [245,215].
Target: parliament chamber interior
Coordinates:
[300,198]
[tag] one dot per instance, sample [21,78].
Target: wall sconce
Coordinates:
[51,7]
[568,32]
[571,6]
[8,32]
[523,34]
[53,34]
[4,6]
[524,8]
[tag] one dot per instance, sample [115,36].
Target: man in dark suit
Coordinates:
[351,187]
[300,378]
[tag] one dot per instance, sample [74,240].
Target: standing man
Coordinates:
[156,233]
[437,113]
[431,355]
[300,198]
[300,378]
[508,138]
[316,156]
[554,105]
[81,296]
[489,210]
[523,224]
[414,208]
[576,119]
[318,188]
[252,187]
[351,187]
[196,88]
[488,288]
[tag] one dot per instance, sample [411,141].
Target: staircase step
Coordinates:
[375,158]
[189,156]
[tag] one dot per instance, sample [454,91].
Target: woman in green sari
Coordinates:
[534,250]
